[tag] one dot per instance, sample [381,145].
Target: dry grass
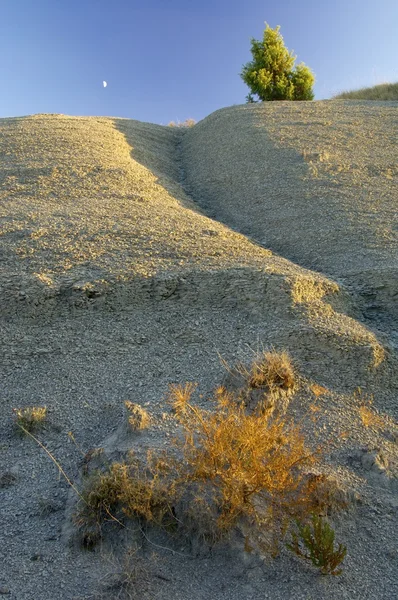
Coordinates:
[367,414]
[248,469]
[127,577]
[228,467]
[318,390]
[128,488]
[384,91]
[186,123]
[370,418]
[138,417]
[266,384]
[30,417]
[272,370]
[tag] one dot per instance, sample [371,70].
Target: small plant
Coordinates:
[317,539]
[30,417]
[127,576]
[134,488]
[266,384]
[138,417]
[273,370]
[186,123]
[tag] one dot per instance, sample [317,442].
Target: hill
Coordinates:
[313,181]
[134,256]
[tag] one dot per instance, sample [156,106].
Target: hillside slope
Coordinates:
[314,181]
[115,284]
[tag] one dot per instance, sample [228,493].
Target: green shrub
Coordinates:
[317,539]
[271,76]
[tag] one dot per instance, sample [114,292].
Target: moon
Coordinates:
[104,84]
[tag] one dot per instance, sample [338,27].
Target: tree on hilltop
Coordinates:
[271,74]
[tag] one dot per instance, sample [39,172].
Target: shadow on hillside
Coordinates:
[240,176]
[156,148]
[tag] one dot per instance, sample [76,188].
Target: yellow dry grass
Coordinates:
[30,417]
[383,92]
[138,417]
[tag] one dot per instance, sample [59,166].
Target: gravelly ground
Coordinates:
[109,298]
[314,181]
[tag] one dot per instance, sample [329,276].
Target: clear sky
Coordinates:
[169,60]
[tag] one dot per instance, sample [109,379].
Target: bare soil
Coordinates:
[134,256]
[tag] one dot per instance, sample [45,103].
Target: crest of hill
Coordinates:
[383,92]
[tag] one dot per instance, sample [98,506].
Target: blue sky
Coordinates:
[177,59]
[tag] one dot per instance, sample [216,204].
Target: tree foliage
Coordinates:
[271,74]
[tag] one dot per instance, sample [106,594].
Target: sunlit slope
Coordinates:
[313,181]
[93,218]
[81,204]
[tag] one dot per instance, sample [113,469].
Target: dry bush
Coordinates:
[30,417]
[250,467]
[272,370]
[266,384]
[131,488]
[227,467]
[138,417]
[186,123]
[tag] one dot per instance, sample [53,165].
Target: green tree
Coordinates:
[271,74]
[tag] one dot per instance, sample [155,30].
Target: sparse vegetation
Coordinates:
[127,577]
[186,123]
[246,468]
[266,384]
[385,91]
[272,370]
[138,417]
[228,467]
[367,413]
[370,418]
[131,488]
[315,542]
[30,418]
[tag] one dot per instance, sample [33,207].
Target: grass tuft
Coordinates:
[138,417]
[272,370]
[30,417]
[132,489]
